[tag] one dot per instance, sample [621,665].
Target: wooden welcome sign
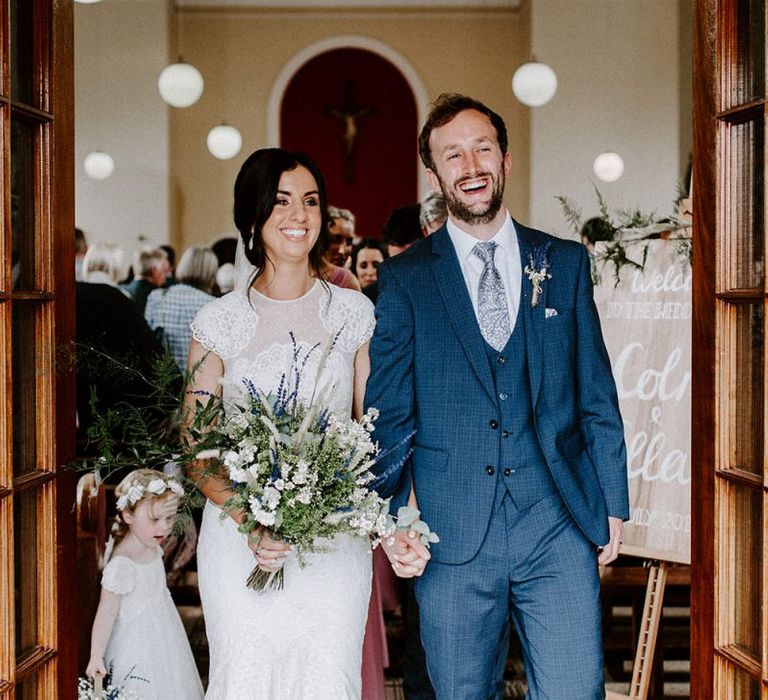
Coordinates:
[646,320]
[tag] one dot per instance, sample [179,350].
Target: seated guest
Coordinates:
[341,230]
[115,345]
[170,254]
[433,213]
[104,263]
[594,230]
[170,311]
[366,258]
[225,278]
[81,247]
[225,249]
[341,233]
[401,230]
[150,271]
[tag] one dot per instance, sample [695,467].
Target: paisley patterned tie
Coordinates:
[492,312]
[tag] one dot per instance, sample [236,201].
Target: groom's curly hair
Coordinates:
[255,194]
[444,109]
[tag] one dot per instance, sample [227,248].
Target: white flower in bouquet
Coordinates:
[298,470]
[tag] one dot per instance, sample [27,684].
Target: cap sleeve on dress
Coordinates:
[367,321]
[226,325]
[119,576]
[351,313]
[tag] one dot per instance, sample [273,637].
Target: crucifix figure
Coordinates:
[349,113]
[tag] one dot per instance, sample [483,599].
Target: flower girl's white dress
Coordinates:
[303,642]
[148,652]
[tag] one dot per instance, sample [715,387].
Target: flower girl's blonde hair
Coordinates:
[137,486]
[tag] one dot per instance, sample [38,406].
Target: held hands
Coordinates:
[96,667]
[408,548]
[609,552]
[270,553]
[406,553]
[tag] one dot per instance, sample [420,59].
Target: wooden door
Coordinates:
[729,612]
[36,302]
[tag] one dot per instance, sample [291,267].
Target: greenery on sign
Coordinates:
[617,230]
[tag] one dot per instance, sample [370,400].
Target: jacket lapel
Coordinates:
[450,283]
[533,317]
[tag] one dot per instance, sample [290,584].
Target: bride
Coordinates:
[304,641]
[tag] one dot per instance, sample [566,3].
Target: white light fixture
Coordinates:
[99,165]
[534,84]
[224,141]
[180,84]
[608,166]
[87,2]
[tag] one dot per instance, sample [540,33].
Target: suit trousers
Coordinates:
[536,567]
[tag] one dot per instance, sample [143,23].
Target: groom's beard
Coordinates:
[462,212]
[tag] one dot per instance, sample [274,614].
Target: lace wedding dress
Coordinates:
[304,641]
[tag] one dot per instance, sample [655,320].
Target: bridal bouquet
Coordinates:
[299,471]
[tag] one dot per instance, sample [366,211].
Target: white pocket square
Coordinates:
[549,313]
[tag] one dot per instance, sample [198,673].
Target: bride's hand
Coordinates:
[270,553]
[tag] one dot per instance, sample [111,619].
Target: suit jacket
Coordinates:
[431,381]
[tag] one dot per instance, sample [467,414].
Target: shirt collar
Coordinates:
[505,237]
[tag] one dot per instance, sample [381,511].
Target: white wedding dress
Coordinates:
[148,654]
[305,641]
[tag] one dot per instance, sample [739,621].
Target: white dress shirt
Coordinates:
[506,258]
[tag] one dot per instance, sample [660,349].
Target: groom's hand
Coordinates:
[610,551]
[406,553]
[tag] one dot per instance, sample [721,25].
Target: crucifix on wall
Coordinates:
[349,112]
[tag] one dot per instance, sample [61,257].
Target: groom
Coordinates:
[488,352]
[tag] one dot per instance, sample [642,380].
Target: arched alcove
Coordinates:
[356,113]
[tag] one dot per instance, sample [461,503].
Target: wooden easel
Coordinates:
[649,628]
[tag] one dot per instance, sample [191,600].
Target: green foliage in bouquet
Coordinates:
[297,470]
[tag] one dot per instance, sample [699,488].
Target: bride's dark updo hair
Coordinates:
[255,195]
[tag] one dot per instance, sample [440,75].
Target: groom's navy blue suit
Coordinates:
[518,460]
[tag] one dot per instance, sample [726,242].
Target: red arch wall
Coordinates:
[385,155]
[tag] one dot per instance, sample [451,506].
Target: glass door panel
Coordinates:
[741,398]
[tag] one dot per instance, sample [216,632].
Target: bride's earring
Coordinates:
[250,242]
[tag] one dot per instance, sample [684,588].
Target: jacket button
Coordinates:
[489,470]
[494,424]
[503,396]
[501,359]
[504,434]
[507,471]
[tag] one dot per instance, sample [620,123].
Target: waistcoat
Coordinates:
[522,469]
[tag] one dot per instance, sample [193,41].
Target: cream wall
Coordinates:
[241,54]
[623,86]
[120,48]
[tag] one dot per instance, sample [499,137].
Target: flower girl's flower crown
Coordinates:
[156,487]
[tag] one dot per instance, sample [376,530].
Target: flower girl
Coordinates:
[137,634]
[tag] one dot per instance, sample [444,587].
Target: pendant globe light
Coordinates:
[99,165]
[224,141]
[534,83]
[608,166]
[180,84]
